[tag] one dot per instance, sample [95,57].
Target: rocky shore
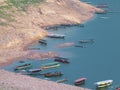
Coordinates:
[27,28]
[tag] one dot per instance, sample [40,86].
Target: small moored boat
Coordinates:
[62,61]
[56,36]
[87,41]
[62,80]
[55,74]
[42,41]
[80,81]
[102,6]
[35,70]
[24,66]
[104,83]
[51,66]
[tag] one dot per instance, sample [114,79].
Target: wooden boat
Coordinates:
[42,41]
[52,66]
[87,41]
[79,46]
[56,36]
[35,70]
[55,74]
[62,60]
[102,6]
[101,12]
[80,81]
[24,66]
[62,80]
[104,83]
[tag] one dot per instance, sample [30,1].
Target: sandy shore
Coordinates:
[27,29]
[21,82]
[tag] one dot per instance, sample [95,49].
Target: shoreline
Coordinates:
[28,29]
[15,82]
[13,47]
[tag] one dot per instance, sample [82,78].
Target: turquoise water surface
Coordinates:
[97,61]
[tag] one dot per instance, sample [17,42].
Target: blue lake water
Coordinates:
[97,61]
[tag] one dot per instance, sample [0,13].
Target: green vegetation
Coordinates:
[7,11]
[23,4]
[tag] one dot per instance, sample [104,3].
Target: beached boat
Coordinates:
[56,36]
[42,41]
[62,80]
[80,81]
[52,66]
[55,74]
[24,66]
[104,83]
[87,41]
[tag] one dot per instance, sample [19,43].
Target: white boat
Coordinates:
[55,36]
[104,83]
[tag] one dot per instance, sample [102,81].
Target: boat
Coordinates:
[101,12]
[87,41]
[24,66]
[42,41]
[56,36]
[79,46]
[57,57]
[55,74]
[62,60]
[102,6]
[104,83]
[62,80]
[80,81]
[52,66]
[35,70]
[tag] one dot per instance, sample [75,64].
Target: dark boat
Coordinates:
[62,60]
[79,46]
[24,66]
[42,41]
[56,74]
[87,41]
[80,81]
[56,36]
[35,70]
[102,6]
[57,57]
